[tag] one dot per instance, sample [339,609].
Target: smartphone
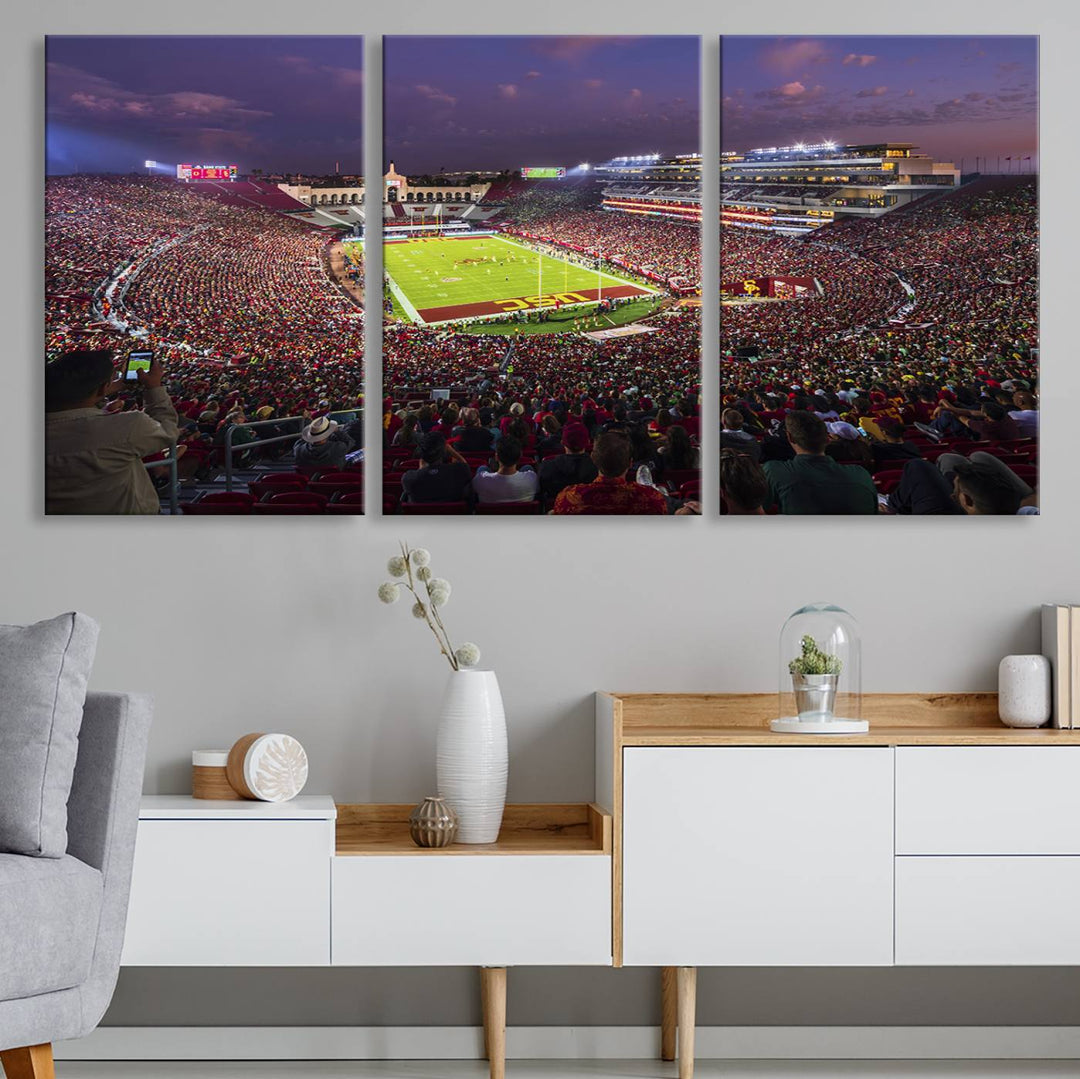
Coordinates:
[136,362]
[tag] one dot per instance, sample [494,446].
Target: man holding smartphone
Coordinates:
[94,459]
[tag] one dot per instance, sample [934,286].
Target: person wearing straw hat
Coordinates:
[322,443]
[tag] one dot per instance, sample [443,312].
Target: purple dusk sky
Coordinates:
[505,102]
[955,97]
[273,103]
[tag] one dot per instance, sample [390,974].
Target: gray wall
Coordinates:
[241,625]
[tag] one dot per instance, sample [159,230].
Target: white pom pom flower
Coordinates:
[418,610]
[396,566]
[420,557]
[468,655]
[439,595]
[424,573]
[389,592]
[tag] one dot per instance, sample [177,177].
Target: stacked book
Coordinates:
[1061,645]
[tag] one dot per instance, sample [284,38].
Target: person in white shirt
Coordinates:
[1026,413]
[509,483]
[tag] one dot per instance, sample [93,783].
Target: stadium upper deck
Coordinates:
[653,185]
[796,189]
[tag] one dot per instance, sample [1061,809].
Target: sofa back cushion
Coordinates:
[44,669]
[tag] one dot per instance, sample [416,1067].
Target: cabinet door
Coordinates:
[472,910]
[230,893]
[758,856]
[980,911]
[988,800]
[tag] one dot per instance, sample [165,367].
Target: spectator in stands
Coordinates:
[732,435]
[677,452]
[443,475]
[509,483]
[812,482]
[892,445]
[985,488]
[610,492]
[322,443]
[743,485]
[573,465]
[469,435]
[93,460]
[408,434]
[1026,414]
[993,423]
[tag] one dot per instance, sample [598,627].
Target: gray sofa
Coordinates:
[62,919]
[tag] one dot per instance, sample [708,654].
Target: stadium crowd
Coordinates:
[659,247]
[234,300]
[924,340]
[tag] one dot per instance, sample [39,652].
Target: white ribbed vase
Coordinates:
[470,754]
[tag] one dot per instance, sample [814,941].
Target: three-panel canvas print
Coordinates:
[539,212]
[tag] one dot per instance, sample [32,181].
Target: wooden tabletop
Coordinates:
[896,719]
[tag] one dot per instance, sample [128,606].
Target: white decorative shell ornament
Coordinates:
[270,768]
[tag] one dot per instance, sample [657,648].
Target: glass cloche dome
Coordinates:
[820,673]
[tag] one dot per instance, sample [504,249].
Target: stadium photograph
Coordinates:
[204,314]
[879,276]
[541,213]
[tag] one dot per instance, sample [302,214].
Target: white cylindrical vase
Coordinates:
[470,754]
[1024,691]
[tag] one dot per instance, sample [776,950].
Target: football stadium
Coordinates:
[879,298]
[529,313]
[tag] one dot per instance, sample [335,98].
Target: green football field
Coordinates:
[440,279]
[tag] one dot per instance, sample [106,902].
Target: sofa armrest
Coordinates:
[103,815]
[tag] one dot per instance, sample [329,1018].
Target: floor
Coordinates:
[575,1069]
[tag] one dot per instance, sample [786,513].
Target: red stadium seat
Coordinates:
[292,503]
[276,482]
[219,503]
[887,482]
[351,503]
[330,483]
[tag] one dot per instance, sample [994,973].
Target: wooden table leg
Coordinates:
[493,993]
[33,1062]
[687,982]
[669,997]
[484,1012]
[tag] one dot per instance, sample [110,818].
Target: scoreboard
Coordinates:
[543,172]
[206,172]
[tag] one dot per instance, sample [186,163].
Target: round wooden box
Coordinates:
[208,775]
[267,767]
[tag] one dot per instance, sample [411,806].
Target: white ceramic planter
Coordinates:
[470,754]
[1024,691]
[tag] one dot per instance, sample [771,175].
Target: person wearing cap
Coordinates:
[93,459]
[443,475]
[573,465]
[321,443]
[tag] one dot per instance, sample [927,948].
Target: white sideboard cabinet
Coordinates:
[940,838]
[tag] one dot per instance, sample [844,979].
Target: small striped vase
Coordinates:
[470,754]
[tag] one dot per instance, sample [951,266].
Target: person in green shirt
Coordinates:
[812,482]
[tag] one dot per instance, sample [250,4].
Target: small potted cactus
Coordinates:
[814,677]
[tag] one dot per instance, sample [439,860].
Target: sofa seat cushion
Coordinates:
[49,911]
[44,670]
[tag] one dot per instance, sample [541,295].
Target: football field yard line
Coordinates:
[403,299]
